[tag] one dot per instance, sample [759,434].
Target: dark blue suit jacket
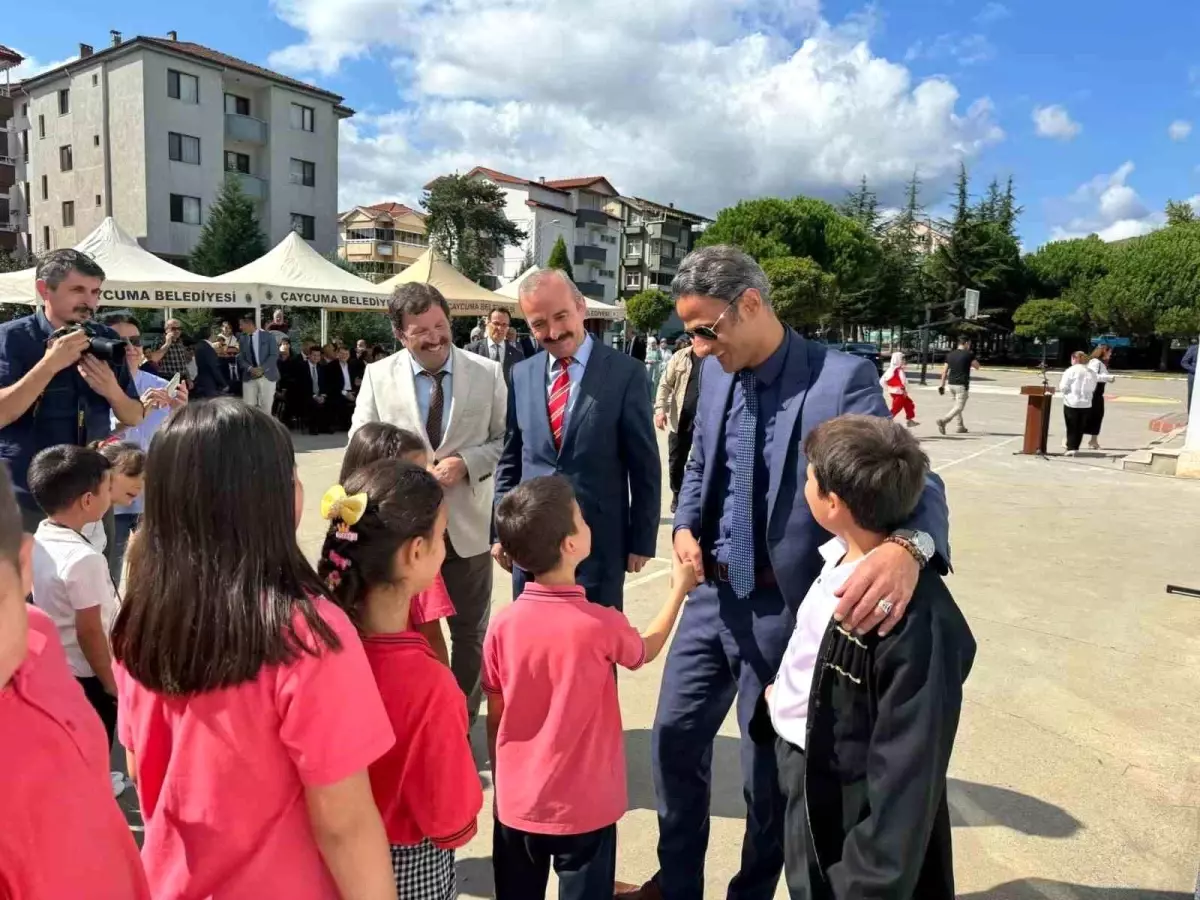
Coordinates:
[609,454]
[818,384]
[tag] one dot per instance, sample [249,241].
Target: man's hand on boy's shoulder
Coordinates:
[877,592]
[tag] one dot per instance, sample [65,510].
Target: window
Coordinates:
[95,80]
[98,200]
[633,279]
[412,238]
[634,248]
[607,273]
[183,87]
[64,101]
[237,162]
[25,193]
[68,213]
[185,209]
[24,110]
[41,126]
[183,148]
[305,226]
[65,160]
[45,237]
[45,188]
[95,140]
[302,117]
[238,106]
[304,173]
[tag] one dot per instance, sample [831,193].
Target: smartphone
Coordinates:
[173,385]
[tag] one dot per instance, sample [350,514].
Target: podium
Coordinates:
[1037,418]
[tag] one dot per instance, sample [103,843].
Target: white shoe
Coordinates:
[913,423]
[1064,443]
[119,783]
[1070,453]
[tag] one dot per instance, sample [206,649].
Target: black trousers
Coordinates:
[586,864]
[469,583]
[103,702]
[1095,415]
[679,447]
[803,877]
[1075,419]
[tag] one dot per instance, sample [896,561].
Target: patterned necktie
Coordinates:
[495,353]
[437,403]
[741,549]
[557,404]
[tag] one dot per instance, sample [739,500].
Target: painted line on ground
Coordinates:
[978,453]
[646,577]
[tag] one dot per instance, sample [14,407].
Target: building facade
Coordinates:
[654,240]
[147,131]
[14,155]
[382,240]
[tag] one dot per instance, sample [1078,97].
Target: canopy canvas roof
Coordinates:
[294,274]
[135,277]
[466,298]
[595,308]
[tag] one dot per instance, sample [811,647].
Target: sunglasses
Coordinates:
[709,332]
[136,340]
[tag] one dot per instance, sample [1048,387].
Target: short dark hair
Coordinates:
[534,519]
[54,266]
[500,309]
[125,458]
[60,475]
[247,317]
[874,465]
[118,318]
[402,503]
[376,441]
[11,528]
[242,595]
[414,300]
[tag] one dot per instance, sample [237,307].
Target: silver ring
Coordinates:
[884,606]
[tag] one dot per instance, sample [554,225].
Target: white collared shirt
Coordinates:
[424,390]
[347,385]
[575,371]
[1077,385]
[788,704]
[495,351]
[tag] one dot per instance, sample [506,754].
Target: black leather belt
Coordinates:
[763,578]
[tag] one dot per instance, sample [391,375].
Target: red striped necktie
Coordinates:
[557,404]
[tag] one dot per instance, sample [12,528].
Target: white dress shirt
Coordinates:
[347,385]
[1100,370]
[793,685]
[495,351]
[574,371]
[1077,386]
[315,375]
[257,350]
[424,389]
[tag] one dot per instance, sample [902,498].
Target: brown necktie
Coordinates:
[437,404]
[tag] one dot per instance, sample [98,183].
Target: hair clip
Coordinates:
[343,532]
[337,505]
[333,579]
[338,560]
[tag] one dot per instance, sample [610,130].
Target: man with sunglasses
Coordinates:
[744,525]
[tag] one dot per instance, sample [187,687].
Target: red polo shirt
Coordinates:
[560,753]
[63,834]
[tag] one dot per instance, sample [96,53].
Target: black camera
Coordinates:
[110,350]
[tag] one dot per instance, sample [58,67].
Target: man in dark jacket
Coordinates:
[495,344]
[210,370]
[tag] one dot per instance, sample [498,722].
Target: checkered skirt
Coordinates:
[424,872]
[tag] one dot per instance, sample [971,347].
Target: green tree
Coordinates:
[231,236]
[1046,319]
[1180,212]
[902,275]
[648,309]
[1064,265]
[862,206]
[15,261]
[466,223]
[559,258]
[802,294]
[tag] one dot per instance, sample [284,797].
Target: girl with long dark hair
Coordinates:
[247,706]
[1098,365]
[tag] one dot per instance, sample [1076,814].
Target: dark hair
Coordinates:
[874,466]
[534,519]
[1100,350]
[125,458]
[376,441]
[119,318]
[500,309]
[413,300]
[315,348]
[54,266]
[216,581]
[402,503]
[247,317]
[11,528]
[60,475]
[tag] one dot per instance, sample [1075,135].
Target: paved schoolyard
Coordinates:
[1077,770]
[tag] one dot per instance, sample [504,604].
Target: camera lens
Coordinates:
[107,349]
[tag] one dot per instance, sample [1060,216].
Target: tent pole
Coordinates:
[258,317]
[324,327]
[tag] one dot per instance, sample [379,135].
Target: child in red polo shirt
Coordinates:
[380,440]
[554,719]
[63,835]
[386,543]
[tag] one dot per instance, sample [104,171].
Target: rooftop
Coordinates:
[512,179]
[643,204]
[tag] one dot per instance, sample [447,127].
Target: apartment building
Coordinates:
[571,208]
[382,240]
[14,228]
[654,240]
[148,129]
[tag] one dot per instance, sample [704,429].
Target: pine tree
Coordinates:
[559,259]
[863,207]
[231,236]
[466,223]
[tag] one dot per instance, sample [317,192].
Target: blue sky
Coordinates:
[701,102]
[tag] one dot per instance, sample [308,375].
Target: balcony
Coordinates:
[633,229]
[592,289]
[660,263]
[585,253]
[252,186]
[668,230]
[246,129]
[585,217]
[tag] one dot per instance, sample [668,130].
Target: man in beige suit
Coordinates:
[459,403]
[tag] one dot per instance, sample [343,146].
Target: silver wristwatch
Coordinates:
[919,542]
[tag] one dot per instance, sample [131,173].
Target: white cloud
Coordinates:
[33,66]
[1179,130]
[1107,206]
[700,102]
[992,13]
[1055,122]
[966,50]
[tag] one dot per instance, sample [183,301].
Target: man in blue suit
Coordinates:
[581,409]
[743,523]
[258,363]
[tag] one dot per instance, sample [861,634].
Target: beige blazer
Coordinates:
[478,414]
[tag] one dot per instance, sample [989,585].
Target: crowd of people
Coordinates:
[303,731]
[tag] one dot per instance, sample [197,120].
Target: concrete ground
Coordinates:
[1076,775]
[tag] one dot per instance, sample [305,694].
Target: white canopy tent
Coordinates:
[595,308]
[465,297]
[135,277]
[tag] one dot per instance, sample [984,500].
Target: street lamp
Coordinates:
[537,239]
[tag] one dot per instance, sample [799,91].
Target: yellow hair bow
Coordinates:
[337,505]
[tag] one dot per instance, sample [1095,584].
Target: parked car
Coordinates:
[860,349]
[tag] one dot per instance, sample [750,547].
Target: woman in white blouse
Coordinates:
[1099,367]
[1076,387]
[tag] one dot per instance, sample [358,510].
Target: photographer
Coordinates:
[55,387]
